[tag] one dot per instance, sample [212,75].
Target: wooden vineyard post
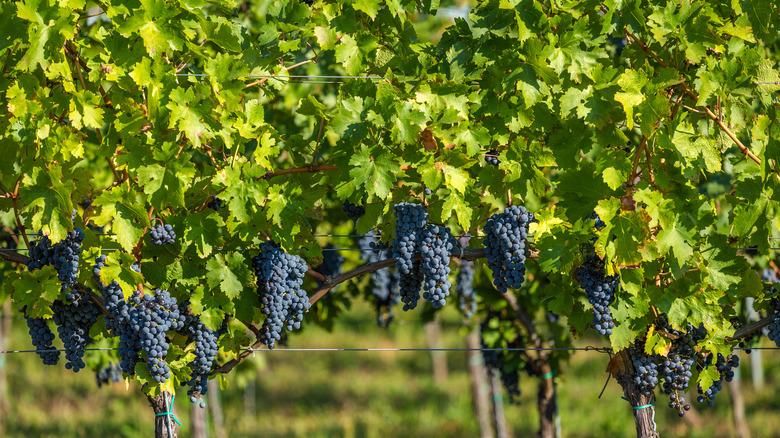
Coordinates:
[622,369]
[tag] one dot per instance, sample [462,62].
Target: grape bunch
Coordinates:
[599,223]
[600,291]
[41,253]
[119,318]
[410,220]
[492,157]
[725,367]
[162,235]
[353,211]
[43,340]
[677,375]
[436,244]
[464,287]
[152,316]
[73,322]
[108,374]
[384,282]
[505,245]
[646,367]
[279,279]
[215,203]
[331,262]
[206,350]
[141,324]
[63,256]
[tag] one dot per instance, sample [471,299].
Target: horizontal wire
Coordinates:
[290,76]
[588,348]
[35,234]
[55,349]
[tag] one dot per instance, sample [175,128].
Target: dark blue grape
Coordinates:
[206,350]
[108,374]
[353,211]
[464,287]
[43,340]
[599,223]
[410,220]
[600,291]
[162,235]
[73,321]
[331,263]
[436,244]
[215,203]
[505,245]
[492,157]
[384,282]
[279,278]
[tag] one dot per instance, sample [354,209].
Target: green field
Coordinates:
[356,394]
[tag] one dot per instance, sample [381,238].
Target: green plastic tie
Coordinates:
[548,375]
[638,407]
[170,413]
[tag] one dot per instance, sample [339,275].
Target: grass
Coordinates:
[357,394]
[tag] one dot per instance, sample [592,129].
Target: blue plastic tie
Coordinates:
[170,413]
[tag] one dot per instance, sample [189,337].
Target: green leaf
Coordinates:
[48,200]
[204,230]
[222,276]
[370,7]
[37,291]
[121,209]
[375,172]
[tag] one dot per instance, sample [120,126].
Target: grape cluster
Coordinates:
[600,291]
[773,329]
[331,262]
[119,315]
[162,235]
[152,316]
[599,223]
[73,323]
[436,244]
[384,287]
[492,157]
[206,350]
[43,340]
[353,211]
[63,256]
[279,279]
[464,287]
[108,374]
[725,367]
[676,370]
[410,220]
[215,203]
[646,367]
[141,324]
[505,245]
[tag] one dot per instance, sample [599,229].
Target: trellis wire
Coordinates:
[587,348]
[285,78]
